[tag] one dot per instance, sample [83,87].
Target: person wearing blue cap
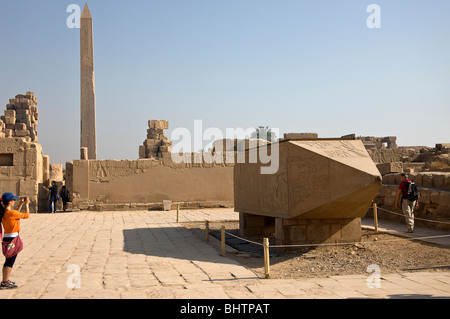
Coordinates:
[11,224]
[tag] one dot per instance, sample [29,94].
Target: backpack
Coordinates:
[413,193]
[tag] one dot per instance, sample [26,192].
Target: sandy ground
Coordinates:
[390,253]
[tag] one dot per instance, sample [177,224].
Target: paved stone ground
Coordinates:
[145,254]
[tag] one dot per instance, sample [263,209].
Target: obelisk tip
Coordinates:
[86,14]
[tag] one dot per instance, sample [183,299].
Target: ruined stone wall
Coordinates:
[156,143]
[413,159]
[434,203]
[400,154]
[23,169]
[144,184]
[192,180]
[21,118]
[372,142]
[23,166]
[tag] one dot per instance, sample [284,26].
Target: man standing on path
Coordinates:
[407,205]
[53,196]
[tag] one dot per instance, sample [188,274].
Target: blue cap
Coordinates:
[7,197]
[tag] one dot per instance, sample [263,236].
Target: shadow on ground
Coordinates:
[172,242]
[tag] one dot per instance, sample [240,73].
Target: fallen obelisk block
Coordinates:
[321,190]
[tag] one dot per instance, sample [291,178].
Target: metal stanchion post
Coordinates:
[375,216]
[222,242]
[207,230]
[266,258]
[178,213]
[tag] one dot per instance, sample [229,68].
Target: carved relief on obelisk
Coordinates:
[88,130]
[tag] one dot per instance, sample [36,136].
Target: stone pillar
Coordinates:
[46,168]
[56,172]
[88,129]
[84,153]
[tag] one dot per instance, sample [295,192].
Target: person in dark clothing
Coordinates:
[64,194]
[405,204]
[53,196]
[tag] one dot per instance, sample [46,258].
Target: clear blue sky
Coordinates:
[300,66]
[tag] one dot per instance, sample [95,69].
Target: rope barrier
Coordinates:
[416,218]
[244,239]
[360,243]
[338,244]
[267,246]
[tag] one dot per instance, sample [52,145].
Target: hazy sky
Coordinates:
[300,66]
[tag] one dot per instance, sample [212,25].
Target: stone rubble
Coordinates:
[156,143]
[21,118]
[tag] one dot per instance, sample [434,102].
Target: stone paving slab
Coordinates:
[138,255]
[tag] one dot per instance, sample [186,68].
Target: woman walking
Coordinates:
[11,225]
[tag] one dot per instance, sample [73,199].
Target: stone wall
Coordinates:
[372,142]
[400,154]
[145,183]
[434,203]
[414,158]
[191,180]
[237,145]
[23,170]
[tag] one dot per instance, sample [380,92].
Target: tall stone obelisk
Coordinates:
[88,129]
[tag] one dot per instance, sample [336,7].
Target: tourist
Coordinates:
[64,194]
[11,224]
[407,206]
[53,196]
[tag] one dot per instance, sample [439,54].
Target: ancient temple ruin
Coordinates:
[23,166]
[157,144]
[154,178]
[303,202]
[21,118]
[387,142]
